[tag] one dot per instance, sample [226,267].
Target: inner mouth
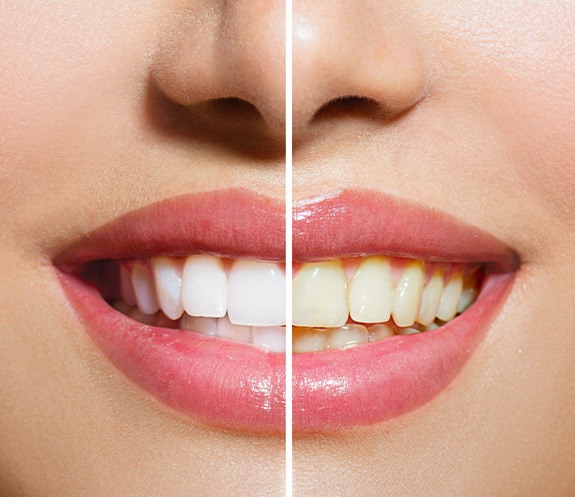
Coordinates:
[337,304]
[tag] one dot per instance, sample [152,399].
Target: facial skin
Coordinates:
[101,115]
[475,118]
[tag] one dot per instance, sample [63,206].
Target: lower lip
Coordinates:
[215,382]
[383,380]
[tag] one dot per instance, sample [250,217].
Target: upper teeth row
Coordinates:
[252,293]
[324,297]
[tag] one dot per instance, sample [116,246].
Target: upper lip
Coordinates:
[239,223]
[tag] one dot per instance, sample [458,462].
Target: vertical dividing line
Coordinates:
[289,203]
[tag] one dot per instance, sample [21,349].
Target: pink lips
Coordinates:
[236,386]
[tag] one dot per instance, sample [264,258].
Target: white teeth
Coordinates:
[272,338]
[309,340]
[450,298]
[144,289]
[204,287]
[320,295]
[347,336]
[168,277]
[256,294]
[371,291]
[226,329]
[407,294]
[205,326]
[430,299]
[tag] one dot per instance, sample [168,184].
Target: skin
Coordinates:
[475,117]
[87,89]
[485,92]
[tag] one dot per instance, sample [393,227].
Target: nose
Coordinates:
[224,53]
[360,49]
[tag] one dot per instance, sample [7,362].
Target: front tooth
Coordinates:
[430,299]
[347,336]
[256,294]
[319,295]
[168,278]
[272,338]
[371,291]
[308,340]
[407,294]
[205,326]
[450,298]
[225,329]
[144,289]
[204,287]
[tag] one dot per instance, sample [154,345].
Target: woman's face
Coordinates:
[465,108]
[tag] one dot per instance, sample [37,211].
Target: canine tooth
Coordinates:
[407,294]
[430,299]
[320,295]
[309,340]
[205,326]
[126,288]
[225,329]
[371,291]
[204,287]
[381,331]
[256,294]
[450,298]
[469,292]
[168,277]
[272,338]
[144,289]
[347,336]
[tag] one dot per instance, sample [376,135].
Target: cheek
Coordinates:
[517,61]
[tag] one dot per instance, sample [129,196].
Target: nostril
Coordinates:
[350,106]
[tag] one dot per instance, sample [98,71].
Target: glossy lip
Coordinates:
[337,389]
[237,386]
[213,381]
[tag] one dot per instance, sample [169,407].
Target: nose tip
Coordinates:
[380,64]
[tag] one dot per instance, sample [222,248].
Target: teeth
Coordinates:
[309,340]
[205,326]
[320,295]
[381,331]
[225,329]
[272,338]
[126,288]
[256,294]
[469,293]
[371,291]
[430,299]
[168,277]
[144,289]
[450,298]
[407,294]
[347,336]
[205,287]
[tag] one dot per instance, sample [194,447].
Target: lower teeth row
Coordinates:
[272,338]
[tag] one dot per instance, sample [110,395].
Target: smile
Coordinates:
[187,298]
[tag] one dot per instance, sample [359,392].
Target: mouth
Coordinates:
[187,298]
